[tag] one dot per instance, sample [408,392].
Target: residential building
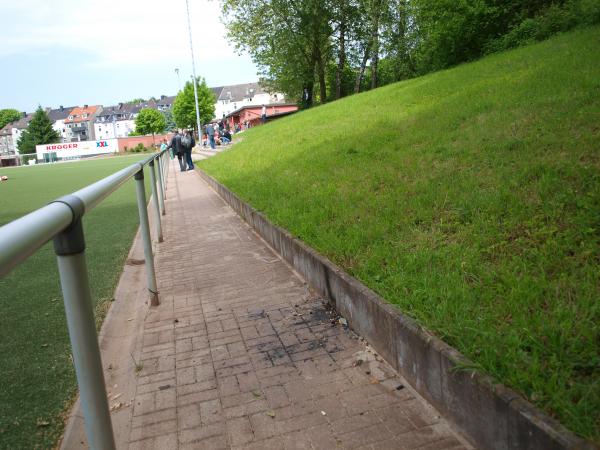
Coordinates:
[6,141]
[232,98]
[116,121]
[9,137]
[165,103]
[119,121]
[11,133]
[79,125]
[57,117]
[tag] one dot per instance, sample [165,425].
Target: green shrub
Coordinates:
[138,149]
[554,19]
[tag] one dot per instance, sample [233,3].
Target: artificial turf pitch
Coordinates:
[36,371]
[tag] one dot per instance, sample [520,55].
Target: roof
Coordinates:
[60,113]
[216,91]
[238,92]
[126,109]
[166,100]
[78,113]
[259,107]
[22,123]
[6,131]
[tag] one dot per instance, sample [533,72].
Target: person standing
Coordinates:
[188,143]
[263,114]
[164,146]
[177,148]
[210,131]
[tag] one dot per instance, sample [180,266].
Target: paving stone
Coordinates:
[239,431]
[233,357]
[195,436]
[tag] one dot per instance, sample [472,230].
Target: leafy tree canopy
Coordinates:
[38,132]
[326,46]
[184,107]
[150,121]
[8,115]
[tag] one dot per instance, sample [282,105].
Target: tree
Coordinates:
[7,116]
[169,120]
[150,121]
[292,47]
[38,132]
[184,106]
[307,46]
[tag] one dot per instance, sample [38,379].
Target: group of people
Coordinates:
[216,134]
[181,145]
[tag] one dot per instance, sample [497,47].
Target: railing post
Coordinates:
[161,188]
[156,202]
[166,159]
[69,246]
[145,231]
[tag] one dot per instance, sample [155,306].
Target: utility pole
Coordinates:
[187,7]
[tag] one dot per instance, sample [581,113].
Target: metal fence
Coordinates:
[60,221]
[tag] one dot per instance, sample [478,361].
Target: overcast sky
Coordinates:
[76,52]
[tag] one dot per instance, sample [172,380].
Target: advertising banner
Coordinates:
[75,150]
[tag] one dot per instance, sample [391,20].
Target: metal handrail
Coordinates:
[22,237]
[61,221]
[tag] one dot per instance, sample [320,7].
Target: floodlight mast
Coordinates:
[178,79]
[187,7]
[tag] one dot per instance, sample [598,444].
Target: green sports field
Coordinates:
[38,378]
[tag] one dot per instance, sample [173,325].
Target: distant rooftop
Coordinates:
[61,113]
[82,114]
[238,92]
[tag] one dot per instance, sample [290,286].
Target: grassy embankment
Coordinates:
[38,378]
[469,198]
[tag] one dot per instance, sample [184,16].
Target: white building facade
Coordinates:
[119,121]
[237,96]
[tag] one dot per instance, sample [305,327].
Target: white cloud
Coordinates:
[114,33]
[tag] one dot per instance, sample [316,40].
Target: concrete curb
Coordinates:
[490,415]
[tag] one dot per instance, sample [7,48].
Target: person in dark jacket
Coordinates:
[226,137]
[177,148]
[188,144]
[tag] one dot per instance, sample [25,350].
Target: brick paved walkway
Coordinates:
[240,354]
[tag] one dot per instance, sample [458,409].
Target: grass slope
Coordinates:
[469,198]
[38,377]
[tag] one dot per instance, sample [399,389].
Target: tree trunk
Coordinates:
[375,43]
[322,83]
[341,60]
[361,70]
[307,94]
